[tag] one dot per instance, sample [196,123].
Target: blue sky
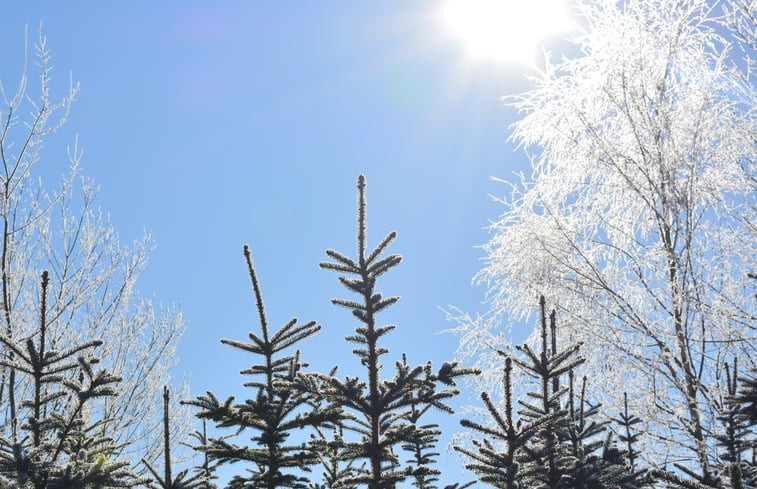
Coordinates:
[212,125]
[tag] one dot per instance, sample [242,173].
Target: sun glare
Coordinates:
[505,29]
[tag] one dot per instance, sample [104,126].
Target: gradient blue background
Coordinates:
[215,124]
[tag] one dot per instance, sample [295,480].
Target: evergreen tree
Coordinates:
[201,479]
[497,465]
[594,460]
[553,445]
[337,473]
[278,408]
[422,444]
[236,482]
[54,441]
[732,468]
[546,367]
[735,439]
[747,397]
[628,433]
[379,411]
[206,470]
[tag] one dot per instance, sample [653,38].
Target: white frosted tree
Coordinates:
[92,275]
[640,216]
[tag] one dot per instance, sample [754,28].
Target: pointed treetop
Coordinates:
[361,218]
[256,289]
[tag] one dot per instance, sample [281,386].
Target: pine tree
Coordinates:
[337,473]
[547,368]
[594,460]
[734,440]
[200,479]
[732,468]
[277,409]
[494,464]
[206,470]
[377,410]
[54,440]
[423,443]
[553,445]
[628,434]
[236,482]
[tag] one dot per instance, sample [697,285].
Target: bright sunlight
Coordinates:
[505,29]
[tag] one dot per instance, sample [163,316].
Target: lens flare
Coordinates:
[505,29]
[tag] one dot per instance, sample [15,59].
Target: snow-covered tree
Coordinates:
[640,215]
[92,275]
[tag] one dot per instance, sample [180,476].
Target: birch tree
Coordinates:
[640,214]
[92,274]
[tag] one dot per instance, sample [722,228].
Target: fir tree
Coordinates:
[337,473]
[594,460]
[54,442]
[206,470]
[552,445]
[734,440]
[628,434]
[747,397]
[236,482]
[423,442]
[494,464]
[546,368]
[379,410]
[201,479]
[733,469]
[277,409]
[689,479]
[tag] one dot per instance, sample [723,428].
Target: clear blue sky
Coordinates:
[215,124]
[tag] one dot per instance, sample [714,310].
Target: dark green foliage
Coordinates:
[494,464]
[337,473]
[734,440]
[201,479]
[628,434]
[236,482]
[423,441]
[379,411]
[694,480]
[422,446]
[734,470]
[206,470]
[593,461]
[747,398]
[546,367]
[552,445]
[277,409]
[53,442]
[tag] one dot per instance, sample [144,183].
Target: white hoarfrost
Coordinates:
[92,275]
[639,220]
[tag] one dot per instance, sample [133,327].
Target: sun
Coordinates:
[505,29]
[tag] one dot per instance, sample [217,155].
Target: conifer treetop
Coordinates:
[277,408]
[383,413]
